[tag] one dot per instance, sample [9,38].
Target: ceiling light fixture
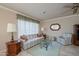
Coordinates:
[44,12]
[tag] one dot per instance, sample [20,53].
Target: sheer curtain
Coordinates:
[27,26]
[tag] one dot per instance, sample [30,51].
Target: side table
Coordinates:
[13,48]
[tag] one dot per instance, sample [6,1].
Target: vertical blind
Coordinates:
[27,26]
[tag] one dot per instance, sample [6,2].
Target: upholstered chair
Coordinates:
[65,39]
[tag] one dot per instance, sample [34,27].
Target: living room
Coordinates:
[30,23]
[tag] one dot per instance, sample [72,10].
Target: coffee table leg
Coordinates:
[46,47]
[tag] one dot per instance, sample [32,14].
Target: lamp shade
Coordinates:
[11,27]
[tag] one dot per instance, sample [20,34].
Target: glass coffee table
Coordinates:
[44,43]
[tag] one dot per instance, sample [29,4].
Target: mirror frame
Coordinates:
[55,29]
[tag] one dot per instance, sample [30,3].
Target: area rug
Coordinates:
[53,50]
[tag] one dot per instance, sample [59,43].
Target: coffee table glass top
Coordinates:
[45,43]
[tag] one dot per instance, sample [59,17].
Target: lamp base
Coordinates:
[12,37]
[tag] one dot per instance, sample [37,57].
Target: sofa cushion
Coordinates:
[24,38]
[32,40]
[67,35]
[32,36]
[39,35]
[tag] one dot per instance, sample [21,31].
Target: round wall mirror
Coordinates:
[55,27]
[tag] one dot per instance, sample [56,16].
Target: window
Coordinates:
[27,27]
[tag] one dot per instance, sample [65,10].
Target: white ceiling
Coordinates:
[41,11]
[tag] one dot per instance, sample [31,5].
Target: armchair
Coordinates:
[65,39]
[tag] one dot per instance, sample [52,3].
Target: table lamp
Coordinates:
[11,28]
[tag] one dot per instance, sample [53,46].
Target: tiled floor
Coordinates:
[64,51]
[24,53]
[70,50]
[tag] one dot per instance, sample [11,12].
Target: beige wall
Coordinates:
[65,22]
[6,17]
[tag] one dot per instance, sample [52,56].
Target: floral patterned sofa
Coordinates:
[30,40]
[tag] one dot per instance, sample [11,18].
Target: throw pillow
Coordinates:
[23,37]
